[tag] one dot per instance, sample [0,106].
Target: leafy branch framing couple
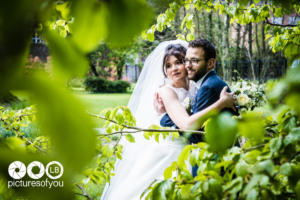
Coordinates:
[176,70]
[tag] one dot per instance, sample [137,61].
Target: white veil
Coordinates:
[140,162]
[150,79]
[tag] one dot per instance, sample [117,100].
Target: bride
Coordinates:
[146,160]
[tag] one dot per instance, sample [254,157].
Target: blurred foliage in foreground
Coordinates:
[71,30]
[266,167]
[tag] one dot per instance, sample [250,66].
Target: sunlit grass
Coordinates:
[95,103]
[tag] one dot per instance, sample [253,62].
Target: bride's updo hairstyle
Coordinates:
[176,50]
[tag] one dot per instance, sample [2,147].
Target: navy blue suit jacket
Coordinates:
[207,94]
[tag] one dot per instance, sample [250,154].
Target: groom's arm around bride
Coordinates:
[199,62]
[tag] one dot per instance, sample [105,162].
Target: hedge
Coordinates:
[101,85]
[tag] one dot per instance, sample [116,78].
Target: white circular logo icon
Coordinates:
[35,175]
[54,167]
[17,170]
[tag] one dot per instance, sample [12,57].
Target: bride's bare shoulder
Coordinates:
[166,91]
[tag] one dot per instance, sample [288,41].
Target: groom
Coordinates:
[199,61]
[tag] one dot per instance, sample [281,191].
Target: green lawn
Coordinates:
[95,103]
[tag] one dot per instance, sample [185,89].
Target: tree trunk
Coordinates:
[93,69]
[265,63]
[251,51]
[204,23]
[258,54]
[210,26]
[197,32]
[177,23]
[257,41]
[227,67]
[220,44]
[244,36]
[120,71]
[237,50]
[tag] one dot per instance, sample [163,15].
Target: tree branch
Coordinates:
[18,134]
[117,132]
[294,156]
[139,129]
[282,25]
[84,192]
[255,147]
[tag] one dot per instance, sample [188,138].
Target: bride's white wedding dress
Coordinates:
[145,160]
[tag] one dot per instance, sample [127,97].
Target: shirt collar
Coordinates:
[199,82]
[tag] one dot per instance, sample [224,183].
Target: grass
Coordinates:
[95,103]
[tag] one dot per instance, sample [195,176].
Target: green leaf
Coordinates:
[264,181]
[292,137]
[252,195]
[234,186]
[63,52]
[186,189]
[15,143]
[221,132]
[190,37]
[164,190]
[286,169]
[156,136]
[107,151]
[130,16]
[64,9]
[169,171]
[297,189]
[241,168]
[194,156]
[252,184]
[90,24]
[107,114]
[254,120]
[251,157]
[120,118]
[184,156]
[275,144]
[130,138]
[215,188]
[264,166]
[293,99]
[66,126]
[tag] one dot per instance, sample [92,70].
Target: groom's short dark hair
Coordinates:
[208,47]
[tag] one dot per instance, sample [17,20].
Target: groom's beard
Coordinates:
[200,73]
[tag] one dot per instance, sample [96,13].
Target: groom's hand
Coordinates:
[158,104]
[229,99]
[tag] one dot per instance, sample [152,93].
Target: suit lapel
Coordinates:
[210,74]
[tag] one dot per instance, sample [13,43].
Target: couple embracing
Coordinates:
[174,71]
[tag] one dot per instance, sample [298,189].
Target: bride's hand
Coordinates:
[158,104]
[228,100]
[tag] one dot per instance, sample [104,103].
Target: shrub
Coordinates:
[101,85]
[120,86]
[76,83]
